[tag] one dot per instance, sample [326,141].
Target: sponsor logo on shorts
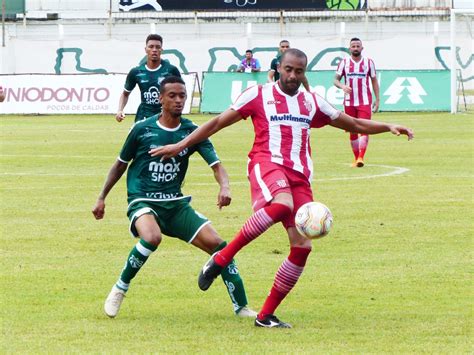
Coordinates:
[281,183]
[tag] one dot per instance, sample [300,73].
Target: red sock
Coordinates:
[354,137]
[363,143]
[285,278]
[258,223]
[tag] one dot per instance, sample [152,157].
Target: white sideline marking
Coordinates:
[397,170]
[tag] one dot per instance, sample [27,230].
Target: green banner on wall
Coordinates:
[13,7]
[400,90]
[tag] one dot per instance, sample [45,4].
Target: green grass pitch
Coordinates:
[393,276]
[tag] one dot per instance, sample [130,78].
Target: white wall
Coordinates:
[69,5]
[409,4]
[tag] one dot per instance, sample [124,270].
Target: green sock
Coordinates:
[233,281]
[137,257]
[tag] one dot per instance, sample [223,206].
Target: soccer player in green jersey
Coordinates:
[156,204]
[148,78]
[273,74]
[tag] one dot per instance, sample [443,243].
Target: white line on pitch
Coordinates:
[397,171]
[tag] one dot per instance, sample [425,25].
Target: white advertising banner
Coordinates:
[73,94]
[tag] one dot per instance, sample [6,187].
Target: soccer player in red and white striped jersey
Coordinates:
[280,168]
[356,71]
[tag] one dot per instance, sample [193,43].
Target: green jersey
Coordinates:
[148,80]
[148,178]
[274,66]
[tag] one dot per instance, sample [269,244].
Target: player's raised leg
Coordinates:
[273,203]
[145,226]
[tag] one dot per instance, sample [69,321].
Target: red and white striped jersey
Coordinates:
[282,124]
[356,75]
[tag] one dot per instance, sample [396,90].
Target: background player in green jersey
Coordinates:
[156,204]
[273,74]
[148,77]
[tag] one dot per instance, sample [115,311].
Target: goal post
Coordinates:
[458,15]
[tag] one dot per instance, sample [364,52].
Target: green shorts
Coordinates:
[176,219]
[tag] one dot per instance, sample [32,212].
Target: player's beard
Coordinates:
[290,89]
[356,53]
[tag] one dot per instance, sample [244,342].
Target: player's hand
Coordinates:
[397,130]
[224,198]
[120,116]
[347,89]
[375,107]
[165,151]
[99,209]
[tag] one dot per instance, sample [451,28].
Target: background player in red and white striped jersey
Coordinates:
[356,71]
[280,167]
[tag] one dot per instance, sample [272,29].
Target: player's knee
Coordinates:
[286,201]
[152,237]
[304,243]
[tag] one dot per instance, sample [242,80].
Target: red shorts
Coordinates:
[268,179]
[362,111]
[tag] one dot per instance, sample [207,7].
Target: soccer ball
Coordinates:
[313,220]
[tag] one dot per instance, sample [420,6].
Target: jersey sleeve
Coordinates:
[245,103]
[324,114]
[340,68]
[129,149]
[130,82]
[207,152]
[372,71]
[273,64]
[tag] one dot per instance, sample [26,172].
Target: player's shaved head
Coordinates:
[294,52]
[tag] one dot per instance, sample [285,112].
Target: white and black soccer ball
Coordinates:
[313,220]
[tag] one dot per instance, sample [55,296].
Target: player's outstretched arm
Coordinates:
[114,175]
[222,178]
[122,103]
[223,120]
[358,125]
